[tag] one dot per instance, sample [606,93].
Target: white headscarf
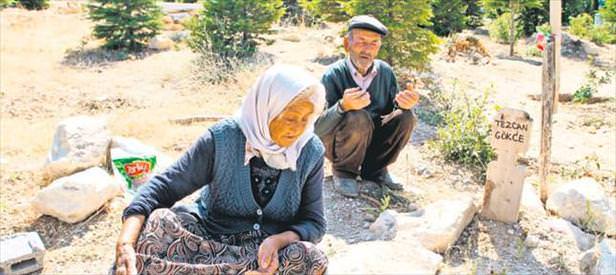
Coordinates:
[267,98]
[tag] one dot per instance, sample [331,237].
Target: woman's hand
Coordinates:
[125,247]
[267,256]
[125,259]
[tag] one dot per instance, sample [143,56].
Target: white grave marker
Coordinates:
[505,177]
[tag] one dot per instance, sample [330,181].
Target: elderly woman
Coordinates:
[261,210]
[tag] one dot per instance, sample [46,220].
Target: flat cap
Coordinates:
[368,22]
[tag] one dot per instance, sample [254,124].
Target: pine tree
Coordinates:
[409,43]
[449,16]
[125,24]
[474,13]
[514,7]
[34,4]
[231,29]
[327,10]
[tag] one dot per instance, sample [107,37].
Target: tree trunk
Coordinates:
[512,28]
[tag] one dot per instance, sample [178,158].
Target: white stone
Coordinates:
[531,203]
[73,198]
[570,232]
[383,257]
[607,260]
[532,241]
[384,228]
[161,43]
[79,139]
[21,253]
[589,261]
[584,202]
[440,225]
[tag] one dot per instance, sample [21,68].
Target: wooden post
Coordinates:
[505,177]
[550,90]
[547,109]
[555,23]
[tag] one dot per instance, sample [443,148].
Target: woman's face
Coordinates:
[289,125]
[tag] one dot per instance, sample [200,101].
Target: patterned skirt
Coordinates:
[175,242]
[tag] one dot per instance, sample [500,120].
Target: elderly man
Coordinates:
[368,120]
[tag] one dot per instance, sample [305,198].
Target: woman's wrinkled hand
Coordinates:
[267,256]
[126,259]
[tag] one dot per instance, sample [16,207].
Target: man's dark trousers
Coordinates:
[360,146]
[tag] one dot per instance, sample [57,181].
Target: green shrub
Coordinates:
[327,10]
[603,34]
[224,29]
[410,41]
[474,13]
[6,3]
[125,25]
[464,135]
[581,25]
[449,16]
[608,12]
[534,16]
[532,50]
[499,29]
[35,4]
[594,78]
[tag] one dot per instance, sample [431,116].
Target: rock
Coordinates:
[607,260]
[440,225]
[167,19]
[532,241]
[80,139]
[584,202]
[292,38]
[570,232]
[382,257]
[160,43]
[590,48]
[21,253]
[179,36]
[589,262]
[74,198]
[168,7]
[530,202]
[179,18]
[331,244]
[384,228]
[510,231]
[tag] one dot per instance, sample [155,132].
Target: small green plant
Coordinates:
[520,248]
[581,168]
[499,29]
[593,79]
[125,25]
[464,137]
[583,94]
[35,4]
[6,3]
[603,34]
[384,203]
[533,51]
[590,219]
[230,30]
[581,25]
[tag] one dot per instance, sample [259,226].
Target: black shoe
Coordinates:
[386,179]
[346,187]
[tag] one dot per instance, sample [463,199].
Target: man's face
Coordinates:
[363,47]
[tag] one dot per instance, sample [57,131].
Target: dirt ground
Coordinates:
[50,71]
